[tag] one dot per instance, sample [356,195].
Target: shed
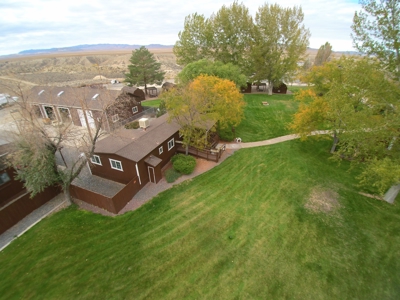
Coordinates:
[281,89]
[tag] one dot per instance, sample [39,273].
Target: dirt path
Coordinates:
[17,80]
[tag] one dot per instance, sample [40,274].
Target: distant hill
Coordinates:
[97,47]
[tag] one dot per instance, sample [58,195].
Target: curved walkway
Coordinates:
[276,140]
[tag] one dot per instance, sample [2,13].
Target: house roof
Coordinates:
[135,144]
[92,97]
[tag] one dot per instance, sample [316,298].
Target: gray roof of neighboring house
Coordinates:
[73,96]
[135,144]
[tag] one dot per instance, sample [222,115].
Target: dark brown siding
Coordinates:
[13,212]
[166,155]
[105,170]
[11,188]
[111,204]
[93,198]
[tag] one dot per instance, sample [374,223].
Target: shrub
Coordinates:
[171,175]
[184,164]
[133,125]
[226,134]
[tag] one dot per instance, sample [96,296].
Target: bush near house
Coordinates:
[132,125]
[184,164]
[171,175]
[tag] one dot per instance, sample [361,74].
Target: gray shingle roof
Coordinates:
[72,96]
[135,144]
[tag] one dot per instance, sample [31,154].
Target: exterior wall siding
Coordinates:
[11,188]
[105,170]
[19,208]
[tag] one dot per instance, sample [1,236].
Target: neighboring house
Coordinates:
[85,106]
[124,162]
[15,201]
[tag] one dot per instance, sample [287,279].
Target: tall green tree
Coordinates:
[194,41]
[207,67]
[376,31]
[144,69]
[323,54]
[280,42]
[358,102]
[202,103]
[233,29]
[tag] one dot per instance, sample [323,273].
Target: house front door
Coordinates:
[152,174]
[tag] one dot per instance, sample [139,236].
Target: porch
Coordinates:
[211,155]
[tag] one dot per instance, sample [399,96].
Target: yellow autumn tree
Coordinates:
[202,103]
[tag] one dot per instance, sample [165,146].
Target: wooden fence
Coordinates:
[212,155]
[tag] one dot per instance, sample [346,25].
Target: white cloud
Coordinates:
[57,23]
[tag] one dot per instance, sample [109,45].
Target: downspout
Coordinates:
[137,172]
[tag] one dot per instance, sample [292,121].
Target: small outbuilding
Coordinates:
[281,89]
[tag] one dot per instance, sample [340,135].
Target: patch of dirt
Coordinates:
[75,69]
[323,200]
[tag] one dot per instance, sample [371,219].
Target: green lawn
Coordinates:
[265,122]
[151,103]
[239,231]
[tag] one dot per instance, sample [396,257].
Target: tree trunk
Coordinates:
[145,89]
[270,86]
[392,193]
[335,142]
[67,195]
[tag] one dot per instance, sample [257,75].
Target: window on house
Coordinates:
[160,150]
[134,109]
[4,178]
[116,164]
[96,160]
[115,118]
[171,144]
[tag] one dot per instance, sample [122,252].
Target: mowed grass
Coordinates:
[151,103]
[239,231]
[265,122]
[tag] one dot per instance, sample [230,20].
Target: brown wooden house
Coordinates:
[125,162]
[15,201]
[64,104]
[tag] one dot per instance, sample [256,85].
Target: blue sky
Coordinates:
[42,24]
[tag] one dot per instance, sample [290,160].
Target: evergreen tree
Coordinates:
[144,69]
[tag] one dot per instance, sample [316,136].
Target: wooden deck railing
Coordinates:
[212,155]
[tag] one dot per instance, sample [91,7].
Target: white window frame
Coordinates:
[171,144]
[160,150]
[116,162]
[135,109]
[95,159]
[115,118]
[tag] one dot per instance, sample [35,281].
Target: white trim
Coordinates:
[45,111]
[95,162]
[154,174]
[173,144]
[160,150]
[116,163]
[136,110]
[137,172]
[115,118]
